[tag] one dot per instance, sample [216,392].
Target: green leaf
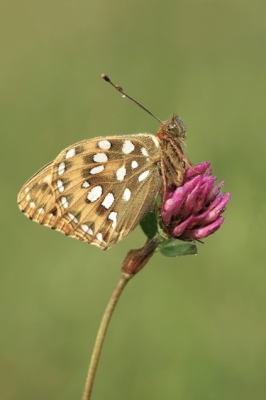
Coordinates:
[174,248]
[149,225]
[158,201]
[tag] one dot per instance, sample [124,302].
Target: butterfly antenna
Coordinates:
[107,79]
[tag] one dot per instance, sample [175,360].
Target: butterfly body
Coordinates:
[98,190]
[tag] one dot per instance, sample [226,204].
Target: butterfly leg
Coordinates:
[164,177]
[180,154]
[174,176]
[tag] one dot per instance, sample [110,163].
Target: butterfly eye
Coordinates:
[172,126]
[179,124]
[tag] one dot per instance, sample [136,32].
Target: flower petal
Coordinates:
[191,199]
[216,211]
[201,233]
[201,199]
[214,192]
[180,228]
[172,206]
[196,170]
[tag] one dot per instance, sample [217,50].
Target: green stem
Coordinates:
[101,334]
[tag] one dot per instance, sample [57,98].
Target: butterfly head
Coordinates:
[174,128]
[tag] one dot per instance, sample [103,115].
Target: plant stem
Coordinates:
[135,260]
[101,334]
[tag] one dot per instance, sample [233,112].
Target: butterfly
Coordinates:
[99,189]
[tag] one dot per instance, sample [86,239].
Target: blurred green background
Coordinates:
[188,328]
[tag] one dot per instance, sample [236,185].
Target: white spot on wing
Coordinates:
[126,194]
[97,170]
[144,152]
[85,184]
[64,202]
[100,237]
[120,173]
[143,175]
[28,197]
[134,164]
[112,216]
[32,205]
[156,141]
[61,168]
[41,210]
[95,193]
[71,216]
[100,157]
[70,153]
[27,189]
[128,147]
[60,185]
[104,145]
[108,201]
[86,229]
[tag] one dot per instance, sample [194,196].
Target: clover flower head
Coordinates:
[193,210]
